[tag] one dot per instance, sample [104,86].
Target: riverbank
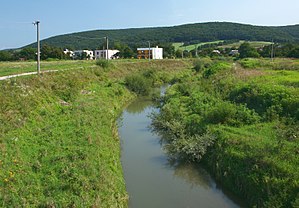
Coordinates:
[152,180]
[241,123]
[58,136]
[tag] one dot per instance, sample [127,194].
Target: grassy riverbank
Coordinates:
[58,137]
[241,123]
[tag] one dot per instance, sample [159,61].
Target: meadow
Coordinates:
[193,46]
[255,44]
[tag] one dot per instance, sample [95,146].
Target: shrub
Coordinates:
[230,114]
[251,63]
[201,64]
[104,63]
[269,101]
[138,84]
[213,69]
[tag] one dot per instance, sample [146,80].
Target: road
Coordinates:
[24,74]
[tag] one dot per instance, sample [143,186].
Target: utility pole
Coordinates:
[149,50]
[38,47]
[272,51]
[107,46]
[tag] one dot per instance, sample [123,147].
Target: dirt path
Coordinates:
[24,74]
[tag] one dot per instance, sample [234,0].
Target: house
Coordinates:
[154,53]
[233,52]
[216,52]
[102,54]
[84,54]
[68,52]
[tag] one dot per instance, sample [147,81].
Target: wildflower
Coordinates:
[5,180]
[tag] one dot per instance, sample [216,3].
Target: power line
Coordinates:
[14,22]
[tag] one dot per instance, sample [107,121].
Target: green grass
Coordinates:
[59,145]
[257,163]
[243,123]
[193,46]
[276,64]
[9,68]
[64,150]
[255,44]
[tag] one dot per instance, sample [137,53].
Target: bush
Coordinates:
[104,63]
[251,63]
[201,64]
[138,84]
[213,69]
[230,114]
[267,100]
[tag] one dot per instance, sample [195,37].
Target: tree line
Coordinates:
[48,52]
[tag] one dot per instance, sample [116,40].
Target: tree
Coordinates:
[168,49]
[247,51]
[266,51]
[48,51]
[27,53]
[124,50]
[178,53]
[294,53]
[128,52]
[6,56]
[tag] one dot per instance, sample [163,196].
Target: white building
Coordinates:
[154,53]
[89,54]
[233,52]
[102,54]
[68,52]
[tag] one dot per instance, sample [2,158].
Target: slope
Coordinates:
[189,33]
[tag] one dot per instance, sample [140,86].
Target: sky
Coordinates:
[59,17]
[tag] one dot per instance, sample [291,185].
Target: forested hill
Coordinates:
[189,33]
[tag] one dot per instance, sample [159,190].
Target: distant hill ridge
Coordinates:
[188,33]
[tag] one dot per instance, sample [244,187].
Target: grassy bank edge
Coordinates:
[59,141]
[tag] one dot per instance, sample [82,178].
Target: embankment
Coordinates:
[58,137]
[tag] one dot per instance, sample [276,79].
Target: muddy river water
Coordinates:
[152,179]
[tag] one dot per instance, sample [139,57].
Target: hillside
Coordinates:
[189,33]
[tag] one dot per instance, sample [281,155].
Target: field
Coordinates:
[192,47]
[255,44]
[58,136]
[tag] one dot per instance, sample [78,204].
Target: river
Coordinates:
[152,179]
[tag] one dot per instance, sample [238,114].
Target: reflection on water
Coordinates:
[192,174]
[152,178]
[138,105]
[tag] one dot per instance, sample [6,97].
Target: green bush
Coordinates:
[214,68]
[230,114]
[268,101]
[250,63]
[138,84]
[224,121]
[201,64]
[105,64]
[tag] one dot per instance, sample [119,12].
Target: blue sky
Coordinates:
[65,16]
